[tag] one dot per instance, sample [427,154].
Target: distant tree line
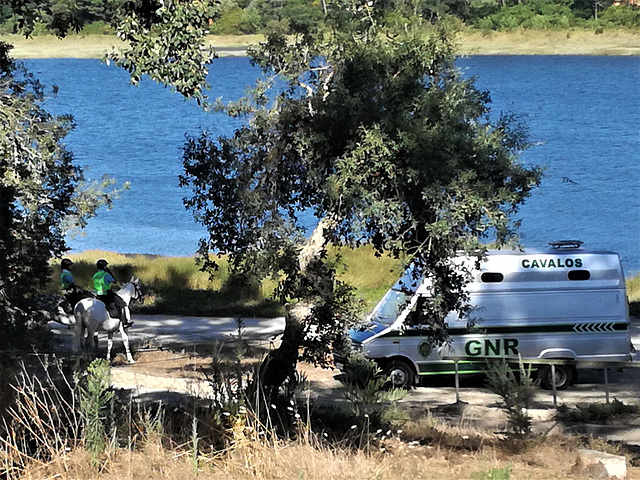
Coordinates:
[237,17]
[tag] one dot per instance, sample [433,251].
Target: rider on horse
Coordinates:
[72,293]
[103,280]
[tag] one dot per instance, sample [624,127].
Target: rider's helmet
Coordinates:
[65,263]
[101,264]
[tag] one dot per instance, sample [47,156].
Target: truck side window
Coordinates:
[415,317]
[491,277]
[579,275]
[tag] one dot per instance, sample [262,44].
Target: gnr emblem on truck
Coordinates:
[424,348]
[499,347]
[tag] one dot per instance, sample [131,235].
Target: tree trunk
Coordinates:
[280,364]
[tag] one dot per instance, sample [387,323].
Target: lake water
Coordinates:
[583,114]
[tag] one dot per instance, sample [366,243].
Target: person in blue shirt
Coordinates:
[71,292]
[103,282]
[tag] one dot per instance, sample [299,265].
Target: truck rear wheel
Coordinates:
[564,376]
[400,374]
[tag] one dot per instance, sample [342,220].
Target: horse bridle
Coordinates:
[138,295]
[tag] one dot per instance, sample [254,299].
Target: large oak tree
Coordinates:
[368,124]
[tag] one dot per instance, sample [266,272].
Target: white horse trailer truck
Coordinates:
[563,303]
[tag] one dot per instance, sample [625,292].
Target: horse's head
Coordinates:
[131,291]
[137,291]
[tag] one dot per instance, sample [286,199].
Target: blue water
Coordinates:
[583,115]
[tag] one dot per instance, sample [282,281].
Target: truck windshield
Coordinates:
[389,307]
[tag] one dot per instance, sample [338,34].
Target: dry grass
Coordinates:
[176,285]
[424,449]
[526,42]
[633,293]
[545,42]
[311,460]
[75,46]
[633,288]
[95,46]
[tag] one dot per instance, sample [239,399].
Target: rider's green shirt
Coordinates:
[99,284]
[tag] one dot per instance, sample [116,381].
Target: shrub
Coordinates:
[251,21]
[621,16]
[95,398]
[602,412]
[517,393]
[228,23]
[97,28]
[367,394]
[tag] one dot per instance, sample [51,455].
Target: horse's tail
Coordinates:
[79,312]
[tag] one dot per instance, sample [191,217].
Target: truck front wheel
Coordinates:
[564,376]
[400,374]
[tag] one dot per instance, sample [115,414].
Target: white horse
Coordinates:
[68,319]
[91,314]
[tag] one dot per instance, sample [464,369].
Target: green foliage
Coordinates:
[42,194]
[366,393]
[166,41]
[373,128]
[97,28]
[535,14]
[621,16]
[236,17]
[37,178]
[517,393]
[251,21]
[483,8]
[289,16]
[503,473]
[228,23]
[95,398]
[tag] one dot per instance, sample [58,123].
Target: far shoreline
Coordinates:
[525,42]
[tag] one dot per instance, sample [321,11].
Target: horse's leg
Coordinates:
[91,331]
[78,333]
[127,315]
[109,345]
[125,340]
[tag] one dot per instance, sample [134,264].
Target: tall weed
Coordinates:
[44,420]
[95,398]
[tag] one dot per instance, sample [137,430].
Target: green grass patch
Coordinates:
[175,285]
[503,473]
